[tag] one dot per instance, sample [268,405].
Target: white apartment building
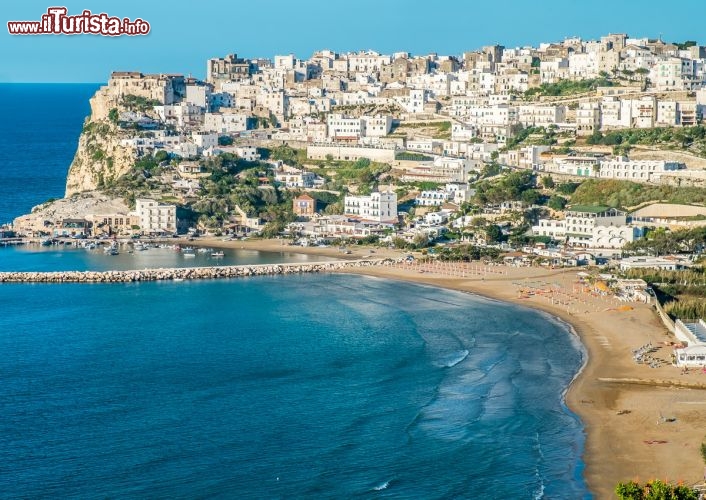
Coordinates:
[623,168]
[295,178]
[377,126]
[225,123]
[588,118]
[345,128]
[581,166]
[414,102]
[378,207]
[555,229]
[459,192]
[541,116]
[463,131]
[204,140]
[199,95]
[613,236]
[424,145]
[155,217]
[442,169]
[582,221]
[431,198]
[247,153]
[183,115]
[528,157]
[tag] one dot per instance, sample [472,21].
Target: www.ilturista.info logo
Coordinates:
[57,22]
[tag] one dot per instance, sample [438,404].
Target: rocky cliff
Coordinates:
[99,158]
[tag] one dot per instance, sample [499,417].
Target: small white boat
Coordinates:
[112,249]
[188,252]
[217,254]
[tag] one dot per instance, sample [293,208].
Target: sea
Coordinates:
[302,386]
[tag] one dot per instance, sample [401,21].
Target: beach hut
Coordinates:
[691,356]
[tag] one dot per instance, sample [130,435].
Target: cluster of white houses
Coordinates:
[357,97]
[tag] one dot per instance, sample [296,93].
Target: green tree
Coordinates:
[161,156]
[654,490]
[493,233]
[557,202]
[398,242]
[362,163]
[530,196]
[113,115]
[548,182]
[567,187]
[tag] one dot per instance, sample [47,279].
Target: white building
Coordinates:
[204,140]
[377,126]
[586,227]
[442,169]
[588,118]
[541,116]
[345,128]
[155,217]
[463,131]
[614,236]
[623,168]
[248,153]
[555,229]
[295,178]
[378,207]
[691,356]
[225,123]
[199,95]
[431,198]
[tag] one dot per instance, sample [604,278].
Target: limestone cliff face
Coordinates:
[100,158]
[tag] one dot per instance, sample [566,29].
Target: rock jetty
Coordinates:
[184,273]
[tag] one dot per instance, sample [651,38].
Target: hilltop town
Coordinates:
[574,153]
[557,152]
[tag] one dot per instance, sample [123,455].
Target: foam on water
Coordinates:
[217,388]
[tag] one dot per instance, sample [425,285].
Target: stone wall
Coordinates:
[188,273]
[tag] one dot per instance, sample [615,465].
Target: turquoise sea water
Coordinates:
[329,386]
[315,386]
[56,258]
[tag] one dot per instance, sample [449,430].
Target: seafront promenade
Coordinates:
[186,273]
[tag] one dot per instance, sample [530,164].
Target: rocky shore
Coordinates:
[190,273]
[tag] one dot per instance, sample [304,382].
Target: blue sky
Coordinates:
[185,34]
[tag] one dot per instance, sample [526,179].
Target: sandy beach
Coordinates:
[641,422]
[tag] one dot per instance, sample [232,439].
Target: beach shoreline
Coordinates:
[639,422]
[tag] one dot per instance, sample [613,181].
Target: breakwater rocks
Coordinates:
[185,273]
